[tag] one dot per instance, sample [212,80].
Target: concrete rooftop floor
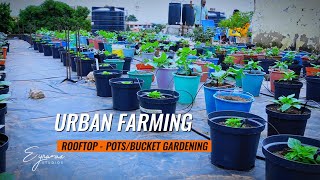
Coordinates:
[31,123]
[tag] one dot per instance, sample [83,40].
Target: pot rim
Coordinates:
[189,77]
[239,102]
[5,145]
[271,113]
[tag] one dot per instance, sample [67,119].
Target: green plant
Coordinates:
[274,51]
[155,95]
[301,153]
[219,76]
[314,57]
[290,56]
[166,47]
[252,66]
[161,62]
[233,122]
[105,65]
[184,42]
[202,36]
[281,66]
[219,49]
[229,60]
[207,55]
[126,82]
[149,47]
[184,63]
[237,22]
[287,102]
[233,50]
[106,73]
[107,53]
[289,76]
[259,50]
[315,66]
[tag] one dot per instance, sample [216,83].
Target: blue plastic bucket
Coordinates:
[128,52]
[208,24]
[89,54]
[108,47]
[213,60]
[119,63]
[239,82]
[225,105]
[208,96]
[187,87]
[251,83]
[83,40]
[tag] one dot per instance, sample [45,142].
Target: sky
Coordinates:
[152,11]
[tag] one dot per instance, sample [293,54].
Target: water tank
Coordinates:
[187,15]
[174,16]
[216,16]
[108,19]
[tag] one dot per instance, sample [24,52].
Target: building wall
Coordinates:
[287,23]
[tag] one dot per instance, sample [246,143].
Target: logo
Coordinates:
[33,156]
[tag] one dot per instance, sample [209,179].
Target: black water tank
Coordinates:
[108,19]
[174,17]
[187,15]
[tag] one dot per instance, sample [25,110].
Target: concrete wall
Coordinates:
[287,23]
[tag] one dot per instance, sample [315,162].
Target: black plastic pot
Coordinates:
[2,76]
[55,52]
[280,168]
[127,64]
[313,88]
[234,148]
[40,48]
[4,90]
[296,68]
[199,51]
[4,144]
[47,51]
[283,123]
[285,89]
[63,57]
[221,58]
[83,66]
[266,63]
[101,46]
[62,50]
[35,45]
[3,111]
[124,96]
[101,67]
[73,63]
[163,106]
[102,81]
[2,67]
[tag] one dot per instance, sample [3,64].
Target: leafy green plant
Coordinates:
[107,53]
[155,95]
[237,21]
[289,76]
[219,77]
[301,153]
[161,62]
[233,50]
[229,60]
[104,65]
[281,66]
[149,47]
[233,122]
[259,50]
[207,55]
[202,36]
[253,66]
[315,66]
[274,51]
[184,63]
[106,73]
[126,82]
[287,102]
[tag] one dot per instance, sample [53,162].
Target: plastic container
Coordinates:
[84,68]
[164,77]
[313,88]
[119,63]
[124,96]
[208,95]
[187,87]
[234,148]
[102,81]
[286,89]
[127,64]
[144,75]
[251,83]
[275,75]
[208,24]
[4,144]
[230,105]
[128,52]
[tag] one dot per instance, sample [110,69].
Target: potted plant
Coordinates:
[250,55]
[206,58]
[128,51]
[227,62]
[277,72]
[234,139]
[287,116]
[114,60]
[252,78]
[146,76]
[294,65]
[103,66]
[185,80]
[287,85]
[233,101]
[3,107]
[291,157]
[126,64]
[165,68]
[124,93]
[218,80]
[159,102]
[4,87]
[83,65]
[169,49]
[313,87]
[147,50]
[238,58]
[311,71]
[4,144]
[102,78]
[2,60]
[47,49]
[220,52]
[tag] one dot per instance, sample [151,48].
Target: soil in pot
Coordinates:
[233,101]
[166,104]
[234,148]
[102,78]
[277,167]
[286,88]
[292,121]
[313,88]
[124,93]
[4,144]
